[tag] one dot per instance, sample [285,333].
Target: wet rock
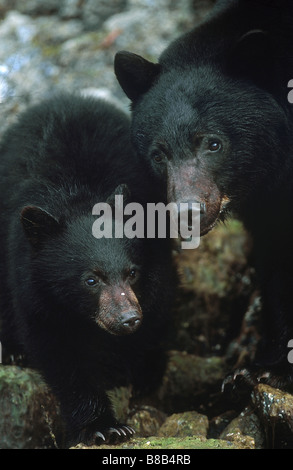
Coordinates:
[70,9]
[245,430]
[92,12]
[37,7]
[146,421]
[185,424]
[29,414]
[188,380]
[130,22]
[275,411]
[218,423]
[65,30]
[95,13]
[30,7]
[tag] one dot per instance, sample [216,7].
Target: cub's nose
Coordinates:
[129,322]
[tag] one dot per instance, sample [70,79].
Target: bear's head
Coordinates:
[94,279]
[210,127]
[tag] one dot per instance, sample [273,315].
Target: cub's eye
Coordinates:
[90,282]
[158,158]
[215,146]
[133,274]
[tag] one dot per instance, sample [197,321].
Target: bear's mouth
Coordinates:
[220,216]
[125,323]
[106,326]
[210,215]
[208,228]
[119,329]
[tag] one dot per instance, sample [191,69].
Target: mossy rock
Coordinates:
[188,380]
[29,413]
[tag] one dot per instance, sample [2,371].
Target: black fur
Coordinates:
[213,122]
[61,288]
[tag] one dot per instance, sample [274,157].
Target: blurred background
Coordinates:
[52,45]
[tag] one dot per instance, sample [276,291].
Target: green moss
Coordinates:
[170,443]
[29,416]
[207,270]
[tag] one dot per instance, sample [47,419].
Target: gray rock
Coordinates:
[95,13]
[70,9]
[245,429]
[31,7]
[149,41]
[64,31]
[146,421]
[188,380]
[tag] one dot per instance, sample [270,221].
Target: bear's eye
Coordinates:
[158,158]
[91,281]
[215,146]
[133,275]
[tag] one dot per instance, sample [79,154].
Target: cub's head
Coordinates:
[98,280]
[210,130]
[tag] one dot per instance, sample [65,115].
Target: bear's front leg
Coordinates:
[271,364]
[91,421]
[79,367]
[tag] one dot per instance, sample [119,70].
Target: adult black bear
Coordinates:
[71,301]
[213,122]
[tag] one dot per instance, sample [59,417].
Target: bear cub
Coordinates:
[89,313]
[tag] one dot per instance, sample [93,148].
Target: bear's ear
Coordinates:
[38,225]
[121,190]
[134,73]
[252,58]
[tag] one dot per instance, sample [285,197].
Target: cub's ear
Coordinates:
[38,225]
[253,58]
[134,73]
[121,190]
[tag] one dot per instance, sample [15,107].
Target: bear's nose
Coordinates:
[191,210]
[130,321]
